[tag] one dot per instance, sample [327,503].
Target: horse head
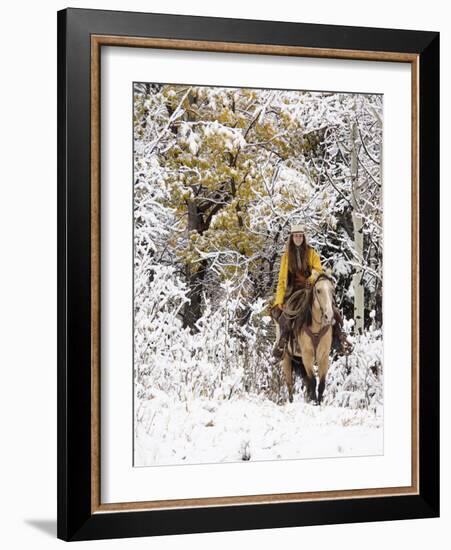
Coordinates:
[323,296]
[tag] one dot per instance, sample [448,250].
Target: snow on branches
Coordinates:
[219,176]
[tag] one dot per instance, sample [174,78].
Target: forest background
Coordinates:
[220,174]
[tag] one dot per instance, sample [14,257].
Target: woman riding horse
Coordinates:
[299,267]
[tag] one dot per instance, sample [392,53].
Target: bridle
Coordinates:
[315,337]
[315,296]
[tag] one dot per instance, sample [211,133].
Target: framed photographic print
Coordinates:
[248,274]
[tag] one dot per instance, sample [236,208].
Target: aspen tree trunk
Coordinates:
[357,280]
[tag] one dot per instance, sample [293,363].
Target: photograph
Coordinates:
[257,274]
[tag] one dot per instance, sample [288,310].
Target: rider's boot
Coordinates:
[279,348]
[285,328]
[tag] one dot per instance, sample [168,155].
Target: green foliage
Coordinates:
[215,171]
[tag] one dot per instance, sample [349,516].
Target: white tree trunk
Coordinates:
[357,280]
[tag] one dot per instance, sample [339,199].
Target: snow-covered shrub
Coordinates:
[218,361]
[356,381]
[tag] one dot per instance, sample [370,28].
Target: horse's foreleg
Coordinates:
[309,380]
[312,389]
[323,362]
[288,373]
[321,385]
[323,367]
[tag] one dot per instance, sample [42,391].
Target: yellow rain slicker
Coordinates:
[314,263]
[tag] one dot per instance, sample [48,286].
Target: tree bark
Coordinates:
[357,279]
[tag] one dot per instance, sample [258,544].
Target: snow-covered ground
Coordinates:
[251,428]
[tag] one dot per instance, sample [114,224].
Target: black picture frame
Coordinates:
[76,518]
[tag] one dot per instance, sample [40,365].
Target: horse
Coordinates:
[312,311]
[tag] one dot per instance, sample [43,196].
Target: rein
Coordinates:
[295,304]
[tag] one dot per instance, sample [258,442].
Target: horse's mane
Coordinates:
[300,304]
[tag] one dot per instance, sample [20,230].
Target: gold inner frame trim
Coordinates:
[228,47]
